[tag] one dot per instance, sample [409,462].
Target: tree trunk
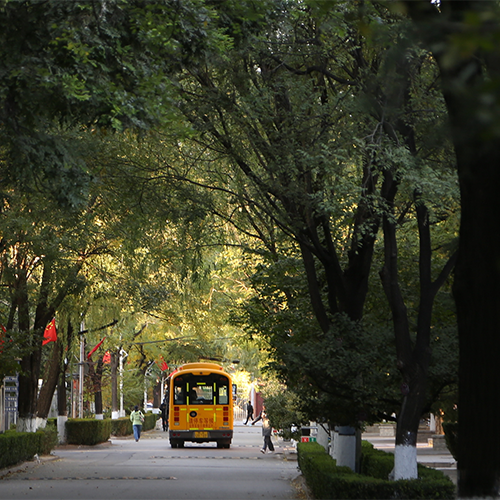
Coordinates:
[98,389]
[30,363]
[157,393]
[472,101]
[50,381]
[62,408]
[477,296]
[405,458]
[477,276]
[413,361]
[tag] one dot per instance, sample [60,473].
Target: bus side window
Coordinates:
[179,397]
[193,396]
[223,395]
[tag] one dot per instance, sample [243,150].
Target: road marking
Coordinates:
[92,478]
[176,457]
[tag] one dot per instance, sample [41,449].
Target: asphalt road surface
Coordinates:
[150,469]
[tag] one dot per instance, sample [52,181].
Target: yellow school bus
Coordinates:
[200,405]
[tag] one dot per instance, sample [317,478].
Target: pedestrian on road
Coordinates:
[137,418]
[249,412]
[164,421]
[266,430]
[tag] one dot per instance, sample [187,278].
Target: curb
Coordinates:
[24,466]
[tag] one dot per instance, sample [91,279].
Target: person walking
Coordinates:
[266,430]
[249,413]
[164,420]
[137,418]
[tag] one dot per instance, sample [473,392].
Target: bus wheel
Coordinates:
[181,444]
[174,443]
[219,445]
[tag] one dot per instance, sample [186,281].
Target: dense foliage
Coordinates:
[313,136]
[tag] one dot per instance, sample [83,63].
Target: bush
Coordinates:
[326,480]
[121,427]
[379,464]
[375,463]
[150,421]
[87,431]
[18,447]
[48,439]
[90,432]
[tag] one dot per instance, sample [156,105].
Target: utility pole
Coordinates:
[81,372]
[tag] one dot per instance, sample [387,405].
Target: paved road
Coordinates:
[151,469]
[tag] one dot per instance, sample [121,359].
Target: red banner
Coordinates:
[50,333]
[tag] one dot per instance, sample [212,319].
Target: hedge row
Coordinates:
[16,447]
[326,480]
[123,426]
[87,431]
[150,421]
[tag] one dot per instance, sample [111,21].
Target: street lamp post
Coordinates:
[146,374]
[123,355]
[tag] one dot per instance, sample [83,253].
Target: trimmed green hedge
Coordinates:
[87,431]
[326,480]
[121,427]
[49,438]
[16,447]
[379,464]
[150,421]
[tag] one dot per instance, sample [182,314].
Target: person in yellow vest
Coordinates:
[137,418]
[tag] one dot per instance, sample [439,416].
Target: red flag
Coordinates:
[163,365]
[95,348]
[50,333]
[106,359]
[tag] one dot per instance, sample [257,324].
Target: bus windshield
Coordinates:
[201,389]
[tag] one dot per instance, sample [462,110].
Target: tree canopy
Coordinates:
[324,139]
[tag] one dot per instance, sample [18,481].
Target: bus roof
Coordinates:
[200,366]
